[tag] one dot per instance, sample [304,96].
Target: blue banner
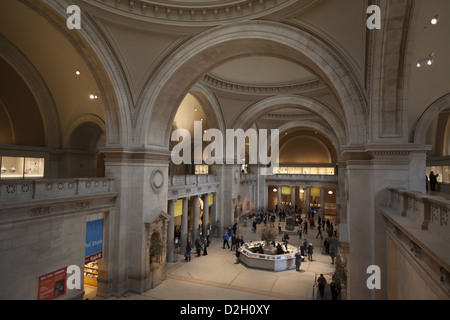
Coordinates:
[94,238]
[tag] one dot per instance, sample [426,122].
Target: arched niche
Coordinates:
[82,156]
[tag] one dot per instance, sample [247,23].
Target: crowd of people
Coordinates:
[233,241]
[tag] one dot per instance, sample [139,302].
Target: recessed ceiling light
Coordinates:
[77,72]
[435,19]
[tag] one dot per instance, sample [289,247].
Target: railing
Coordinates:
[430,212]
[23,190]
[191,180]
[190,185]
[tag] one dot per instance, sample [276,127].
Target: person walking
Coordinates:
[225,240]
[321,282]
[319,232]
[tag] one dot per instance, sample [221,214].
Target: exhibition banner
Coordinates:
[94,240]
[52,285]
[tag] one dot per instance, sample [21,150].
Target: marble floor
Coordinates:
[216,276]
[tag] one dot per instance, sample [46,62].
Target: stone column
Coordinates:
[170,232]
[140,179]
[307,199]
[322,202]
[293,197]
[213,212]
[184,226]
[196,218]
[279,198]
[205,214]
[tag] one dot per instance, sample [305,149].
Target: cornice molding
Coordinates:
[303,87]
[192,14]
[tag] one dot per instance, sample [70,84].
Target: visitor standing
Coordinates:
[298,259]
[187,254]
[335,289]
[433,181]
[333,255]
[310,251]
[326,244]
[205,245]
[238,254]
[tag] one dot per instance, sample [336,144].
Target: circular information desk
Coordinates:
[269,260]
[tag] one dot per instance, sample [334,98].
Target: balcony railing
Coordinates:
[429,212]
[24,190]
[191,180]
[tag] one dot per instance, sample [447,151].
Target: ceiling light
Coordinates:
[330,192]
[435,19]
[428,60]
[275,190]
[77,72]
[302,191]
[93,96]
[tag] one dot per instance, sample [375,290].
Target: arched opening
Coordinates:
[21,121]
[82,157]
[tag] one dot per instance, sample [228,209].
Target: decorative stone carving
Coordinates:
[445,278]
[157,180]
[416,250]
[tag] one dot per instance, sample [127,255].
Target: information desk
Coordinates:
[269,260]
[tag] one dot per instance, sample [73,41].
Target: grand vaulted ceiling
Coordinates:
[143,34]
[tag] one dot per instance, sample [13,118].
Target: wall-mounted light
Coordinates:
[275,190]
[330,192]
[302,191]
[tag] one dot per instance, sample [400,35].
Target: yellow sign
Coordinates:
[286,190]
[178,208]
[211,199]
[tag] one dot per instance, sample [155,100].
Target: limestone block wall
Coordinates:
[38,237]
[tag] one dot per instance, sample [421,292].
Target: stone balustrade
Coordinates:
[25,190]
[418,224]
[430,212]
[189,185]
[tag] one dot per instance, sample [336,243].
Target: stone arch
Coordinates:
[192,60]
[210,105]
[88,118]
[251,114]
[109,76]
[425,120]
[315,126]
[38,88]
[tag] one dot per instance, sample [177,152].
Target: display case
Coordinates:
[201,169]
[12,168]
[21,168]
[91,273]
